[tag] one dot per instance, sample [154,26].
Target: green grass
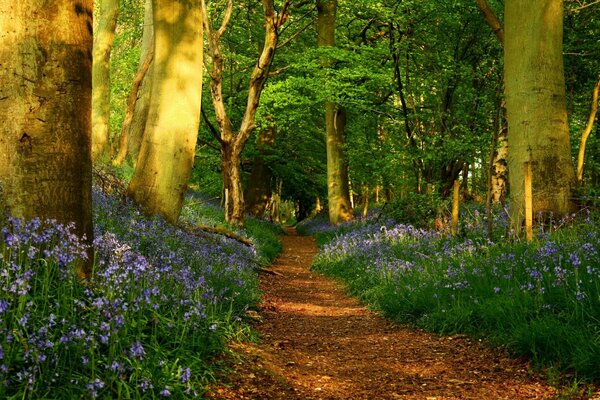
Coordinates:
[539,300]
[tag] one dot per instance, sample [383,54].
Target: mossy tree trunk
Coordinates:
[46,92]
[166,157]
[536,108]
[104,37]
[338,193]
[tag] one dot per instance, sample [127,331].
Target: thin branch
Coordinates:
[295,35]
[226,19]
[491,19]
[585,6]
[211,127]
[278,71]
[587,131]
[283,14]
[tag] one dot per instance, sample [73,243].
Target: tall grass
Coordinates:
[161,303]
[539,299]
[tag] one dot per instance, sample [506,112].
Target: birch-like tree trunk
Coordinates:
[136,116]
[338,193]
[104,37]
[166,157]
[45,135]
[536,108]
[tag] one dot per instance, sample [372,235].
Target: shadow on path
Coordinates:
[318,343]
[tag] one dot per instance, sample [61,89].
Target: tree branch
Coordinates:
[211,127]
[491,19]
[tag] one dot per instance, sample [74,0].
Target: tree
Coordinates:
[259,182]
[46,85]
[104,36]
[338,193]
[536,107]
[138,102]
[233,141]
[166,157]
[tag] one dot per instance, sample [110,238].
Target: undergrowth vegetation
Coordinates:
[539,299]
[161,303]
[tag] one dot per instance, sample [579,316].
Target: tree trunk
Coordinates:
[536,108]
[133,129]
[45,136]
[104,36]
[340,209]
[259,183]
[586,132]
[166,157]
[232,143]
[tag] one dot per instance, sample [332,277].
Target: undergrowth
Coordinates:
[162,302]
[539,299]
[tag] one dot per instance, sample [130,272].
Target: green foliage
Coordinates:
[419,210]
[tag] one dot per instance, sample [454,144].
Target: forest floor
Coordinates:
[319,343]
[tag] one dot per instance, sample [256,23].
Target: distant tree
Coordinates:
[538,132]
[338,192]
[45,87]
[138,103]
[166,157]
[104,36]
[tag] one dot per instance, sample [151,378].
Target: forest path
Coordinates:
[319,343]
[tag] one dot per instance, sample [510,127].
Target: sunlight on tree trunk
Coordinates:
[338,193]
[104,36]
[138,105]
[586,132]
[160,179]
[46,71]
[536,108]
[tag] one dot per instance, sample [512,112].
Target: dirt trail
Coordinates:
[318,343]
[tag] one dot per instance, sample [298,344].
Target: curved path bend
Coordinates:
[319,343]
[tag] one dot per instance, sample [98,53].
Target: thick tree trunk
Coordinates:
[536,108]
[104,36]
[338,192]
[166,156]
[259,183]
[45,135]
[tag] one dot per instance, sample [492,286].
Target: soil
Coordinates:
[319,343]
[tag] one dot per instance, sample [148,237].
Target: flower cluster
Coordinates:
[144,323]
[470,282]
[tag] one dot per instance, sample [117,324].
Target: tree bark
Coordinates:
[46,94]
[536,108]
[166,157]
[104,36]
[491,19]
[586,132]
[338,193]
[259,183]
